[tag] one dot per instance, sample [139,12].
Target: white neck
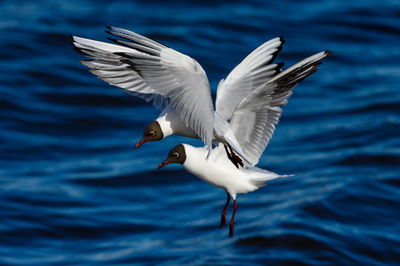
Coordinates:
[171,123]
[165,125]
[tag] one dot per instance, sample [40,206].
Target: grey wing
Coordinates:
[254,120]
[110,68]
[255,69]
[154,72]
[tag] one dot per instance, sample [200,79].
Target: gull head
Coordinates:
[176,155]
[152,132]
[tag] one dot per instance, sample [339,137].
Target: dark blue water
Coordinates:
[74,191]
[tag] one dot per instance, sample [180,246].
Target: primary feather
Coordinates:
[254,119]
[155,73]
[255,69]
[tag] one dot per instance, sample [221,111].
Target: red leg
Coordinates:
[223,216]
[232,220]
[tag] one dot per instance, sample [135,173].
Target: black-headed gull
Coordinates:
[178,85]
[253,123]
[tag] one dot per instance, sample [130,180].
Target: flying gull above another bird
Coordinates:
[253,123]
[178,85]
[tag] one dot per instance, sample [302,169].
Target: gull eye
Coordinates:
[175,154]
[151,133]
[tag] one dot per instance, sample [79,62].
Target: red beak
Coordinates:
[140,143]
[163,164]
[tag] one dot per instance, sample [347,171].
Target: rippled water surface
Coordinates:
[74,191]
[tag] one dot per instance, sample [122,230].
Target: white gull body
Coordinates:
[219,171]
[253,123]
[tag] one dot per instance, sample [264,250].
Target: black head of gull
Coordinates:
[176,155]
[152,132]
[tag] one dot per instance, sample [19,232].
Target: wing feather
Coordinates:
[254,70]
[155,73]
[254,120]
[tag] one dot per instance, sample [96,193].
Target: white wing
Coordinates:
[253,122]
[154,72]
[109,67]
[254,70]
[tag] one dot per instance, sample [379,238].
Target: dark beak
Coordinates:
[163,164]
[140,143]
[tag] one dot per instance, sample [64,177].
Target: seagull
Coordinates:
[253,123]
[178,85]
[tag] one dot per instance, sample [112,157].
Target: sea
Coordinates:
[74,191]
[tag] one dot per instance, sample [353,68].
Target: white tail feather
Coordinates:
[259,176]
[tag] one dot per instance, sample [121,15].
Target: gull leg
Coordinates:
[227,152]
[231,227]
[235,158]
[230,157]
[223,216]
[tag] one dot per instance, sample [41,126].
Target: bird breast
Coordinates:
[217,170]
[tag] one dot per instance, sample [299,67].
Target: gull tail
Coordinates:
[259,176]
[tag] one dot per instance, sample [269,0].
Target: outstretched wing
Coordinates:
[111,68]
[254,70]
[253,121]
[154,72]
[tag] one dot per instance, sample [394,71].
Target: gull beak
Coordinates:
[163,164]
[140,143]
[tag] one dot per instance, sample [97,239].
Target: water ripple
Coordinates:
[74,190]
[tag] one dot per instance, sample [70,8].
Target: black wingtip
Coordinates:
[112,39]
[278,50]
[107,31]
[280,65]
[83,62]
[79,51]
[328,52]
[71,39]
[313,71]
[122,54]
[108,27]
[318,64]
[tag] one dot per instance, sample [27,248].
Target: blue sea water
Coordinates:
[74,191]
